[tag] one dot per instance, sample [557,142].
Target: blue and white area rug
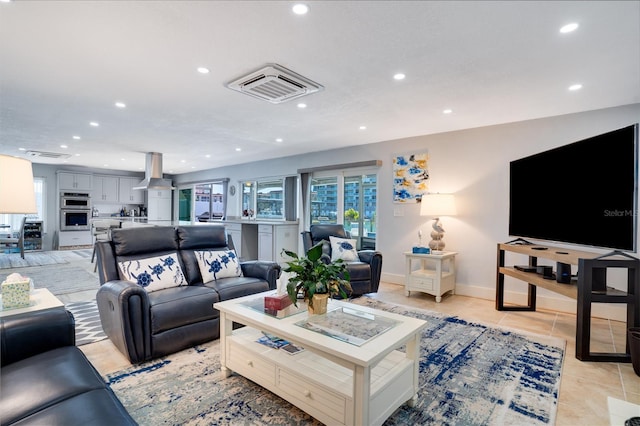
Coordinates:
[470,374]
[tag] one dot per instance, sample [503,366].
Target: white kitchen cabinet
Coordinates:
[126,193]
[245,239]
[273,238]
[158,204]
[75,181]
[105,189]
[74,238]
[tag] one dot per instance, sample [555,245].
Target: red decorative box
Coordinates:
[277,302]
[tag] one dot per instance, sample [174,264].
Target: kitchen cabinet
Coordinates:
[158,204]
[245,239]
[74,238]
[126,193]
[105,189]
[75,181]
[273,238]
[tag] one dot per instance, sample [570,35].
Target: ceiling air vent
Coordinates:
[43,154]
[274,83]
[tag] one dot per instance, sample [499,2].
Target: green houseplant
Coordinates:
[315,274]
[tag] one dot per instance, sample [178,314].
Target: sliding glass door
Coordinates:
[347,198]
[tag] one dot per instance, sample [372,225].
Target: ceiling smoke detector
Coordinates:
[44,154]
[274,83]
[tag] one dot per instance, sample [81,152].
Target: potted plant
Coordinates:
[317,278]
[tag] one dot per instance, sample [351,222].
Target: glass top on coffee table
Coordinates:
[348,324]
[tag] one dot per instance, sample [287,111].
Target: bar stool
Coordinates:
[101,231]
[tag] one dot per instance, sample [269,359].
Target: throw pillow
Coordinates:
[216,264]
[154,273]
[343,248]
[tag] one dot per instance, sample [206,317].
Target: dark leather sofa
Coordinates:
[146,325]
[365,272]
[47,380]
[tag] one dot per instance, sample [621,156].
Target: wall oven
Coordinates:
[75,211]
[75,220]
[75,200]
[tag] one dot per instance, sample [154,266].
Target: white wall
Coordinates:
[474,165]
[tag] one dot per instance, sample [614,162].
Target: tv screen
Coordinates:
[583,193]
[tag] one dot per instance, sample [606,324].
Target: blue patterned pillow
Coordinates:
[343,248]
[216,264]
[154,273]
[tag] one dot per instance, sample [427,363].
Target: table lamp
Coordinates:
[17,194]
[437,205]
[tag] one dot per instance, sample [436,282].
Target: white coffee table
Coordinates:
[41,299]
[358,383]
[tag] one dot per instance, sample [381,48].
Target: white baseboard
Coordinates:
[616,312]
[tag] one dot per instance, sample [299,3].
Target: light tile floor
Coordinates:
[584,388]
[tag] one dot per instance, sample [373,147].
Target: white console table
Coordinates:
[436,275]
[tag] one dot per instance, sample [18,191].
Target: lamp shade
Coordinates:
[437,205]
[17,194]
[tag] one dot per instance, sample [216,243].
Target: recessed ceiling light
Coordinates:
[238,149]
[447,111]
[105,165]
[363,127]
[301,106]
[208,156]
[122,159]
[203,70]
[399,76]
[64,146]
[575,87]
[77,155]
[94,124]
[569,28]
[76,137]
[300,9]
[279,140]
[183,161]
[121,105]
[22,149]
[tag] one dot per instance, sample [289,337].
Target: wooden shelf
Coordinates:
[569,290]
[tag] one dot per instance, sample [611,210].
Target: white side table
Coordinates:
[436,275]
[41,300]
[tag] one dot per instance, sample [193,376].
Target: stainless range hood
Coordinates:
[153,173]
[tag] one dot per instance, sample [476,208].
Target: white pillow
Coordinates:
[154,273]
[343,248]
[216,264]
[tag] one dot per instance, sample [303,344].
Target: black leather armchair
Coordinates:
[365,273]
[47,380]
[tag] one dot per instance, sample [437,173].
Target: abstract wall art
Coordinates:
[410,177]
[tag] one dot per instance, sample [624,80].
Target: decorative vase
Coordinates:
[319,304]
[634,348]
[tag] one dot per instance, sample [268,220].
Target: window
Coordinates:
[273,198]
[202,202]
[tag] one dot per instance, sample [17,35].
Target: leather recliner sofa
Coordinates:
[364,273]
[146,325]
[47,380]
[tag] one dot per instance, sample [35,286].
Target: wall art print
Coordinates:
[410,177]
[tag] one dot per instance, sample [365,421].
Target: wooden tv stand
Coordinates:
[570,257]
[590,288]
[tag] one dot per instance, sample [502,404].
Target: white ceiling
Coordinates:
[65,63]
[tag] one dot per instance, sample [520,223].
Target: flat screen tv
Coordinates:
[583,193]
